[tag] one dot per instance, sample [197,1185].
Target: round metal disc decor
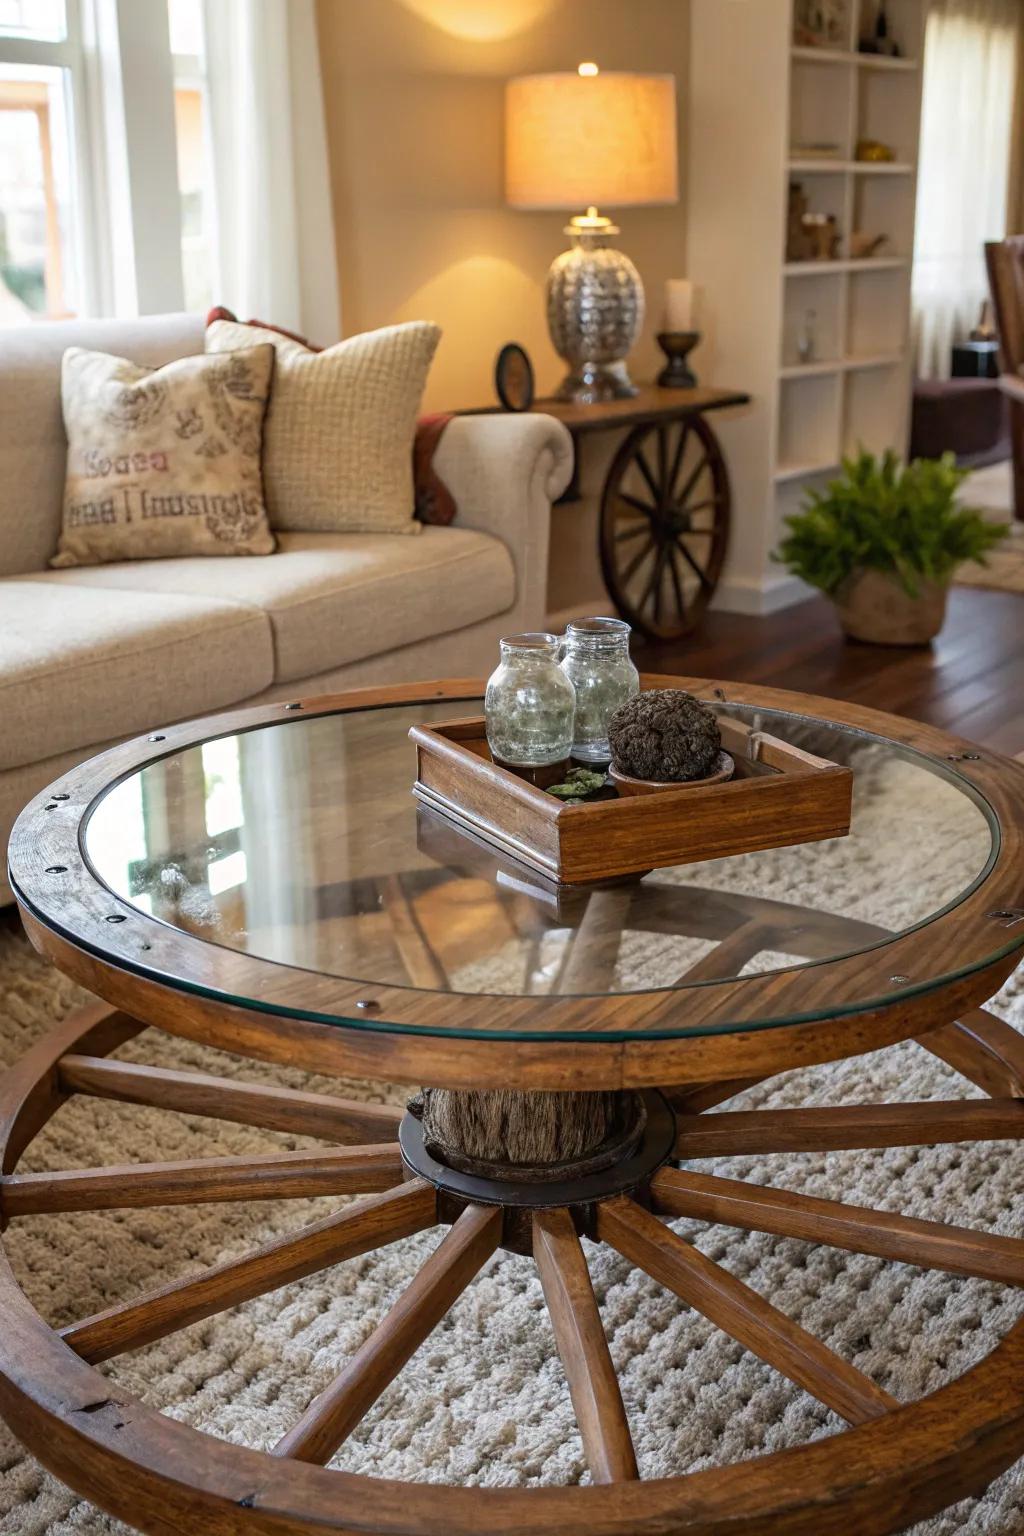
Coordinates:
[665,526]
[513,377]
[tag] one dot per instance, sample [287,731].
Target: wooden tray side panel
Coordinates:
[502,807]
[801,799]
[602,840]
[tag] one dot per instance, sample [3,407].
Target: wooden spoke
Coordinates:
[677,461]
[701,576]
[930,1244]
[198,1093]
[627,535]
[663,458]
[638,505]
[580,1336]
[692,478]
[677,586]
[645,470]
[280,1175]
[332,1416]
[740,1311]
[731,953]
[370,1224]
[984,1049]
[637,561]
[654,581]
[845,1126]
[421,963]
[692,1099]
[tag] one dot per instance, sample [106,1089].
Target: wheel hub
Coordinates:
[623,1164]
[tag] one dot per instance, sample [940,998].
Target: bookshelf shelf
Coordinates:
[827,268]
[819,165]
[853,364]
[853,60]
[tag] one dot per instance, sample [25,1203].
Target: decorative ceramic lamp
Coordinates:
[577,140]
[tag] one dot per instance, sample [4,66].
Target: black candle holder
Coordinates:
[676,346]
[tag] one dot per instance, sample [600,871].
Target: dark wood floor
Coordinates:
[970,681]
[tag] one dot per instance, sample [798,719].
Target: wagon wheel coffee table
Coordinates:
[264,882]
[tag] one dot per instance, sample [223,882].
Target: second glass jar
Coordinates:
[596,661]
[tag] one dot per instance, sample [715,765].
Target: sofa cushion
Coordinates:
[165,461]
[33,447]
[334,598]
[79,666]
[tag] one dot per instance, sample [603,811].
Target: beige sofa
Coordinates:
[90,656]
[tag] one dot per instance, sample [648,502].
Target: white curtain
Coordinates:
[272,195]
[970,70]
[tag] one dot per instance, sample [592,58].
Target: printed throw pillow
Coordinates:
[339,435]
[164,461]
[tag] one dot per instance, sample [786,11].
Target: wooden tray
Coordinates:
[779,795]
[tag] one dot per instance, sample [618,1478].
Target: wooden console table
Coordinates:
[663,527]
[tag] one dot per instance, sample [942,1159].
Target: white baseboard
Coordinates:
[739,594]
[769,594]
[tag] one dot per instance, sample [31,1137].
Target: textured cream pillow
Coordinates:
[338,443]
[164,461]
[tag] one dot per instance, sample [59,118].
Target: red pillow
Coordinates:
[435,503]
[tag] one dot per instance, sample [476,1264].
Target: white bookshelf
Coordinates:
[755,99]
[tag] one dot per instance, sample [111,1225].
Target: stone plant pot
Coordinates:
[873,606]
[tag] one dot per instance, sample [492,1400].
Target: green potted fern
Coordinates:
[883,541]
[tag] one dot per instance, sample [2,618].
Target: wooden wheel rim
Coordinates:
[129,961]
[151,1470]
[673,505]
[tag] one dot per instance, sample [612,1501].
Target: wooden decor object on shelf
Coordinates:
[778,796]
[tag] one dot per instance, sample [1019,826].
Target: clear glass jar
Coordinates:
[530,704]
[597,662]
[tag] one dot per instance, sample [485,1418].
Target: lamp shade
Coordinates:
[572,140]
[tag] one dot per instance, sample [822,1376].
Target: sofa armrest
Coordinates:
[504,472]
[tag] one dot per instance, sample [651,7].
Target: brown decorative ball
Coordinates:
[665,734]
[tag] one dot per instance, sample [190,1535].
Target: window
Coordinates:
[191,121]
[40,257]
[105,167]
[970,79]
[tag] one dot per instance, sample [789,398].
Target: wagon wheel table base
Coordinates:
[529,1169]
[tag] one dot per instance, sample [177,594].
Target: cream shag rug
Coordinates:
[484,1400]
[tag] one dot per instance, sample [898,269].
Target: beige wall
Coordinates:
[414,103]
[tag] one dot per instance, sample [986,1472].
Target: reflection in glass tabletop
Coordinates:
[301,843]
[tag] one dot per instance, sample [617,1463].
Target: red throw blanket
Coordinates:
[434,501]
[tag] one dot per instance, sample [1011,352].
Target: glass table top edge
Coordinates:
[680,989]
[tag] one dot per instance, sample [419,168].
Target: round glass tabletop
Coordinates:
[301,843]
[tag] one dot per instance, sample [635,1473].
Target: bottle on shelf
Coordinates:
[807,339]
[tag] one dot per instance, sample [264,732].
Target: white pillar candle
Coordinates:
[678,304]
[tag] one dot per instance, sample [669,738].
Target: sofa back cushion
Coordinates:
[33,447]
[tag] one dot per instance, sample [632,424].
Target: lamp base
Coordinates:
[595,304]
[592,383]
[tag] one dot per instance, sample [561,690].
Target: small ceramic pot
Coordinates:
[630,786]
